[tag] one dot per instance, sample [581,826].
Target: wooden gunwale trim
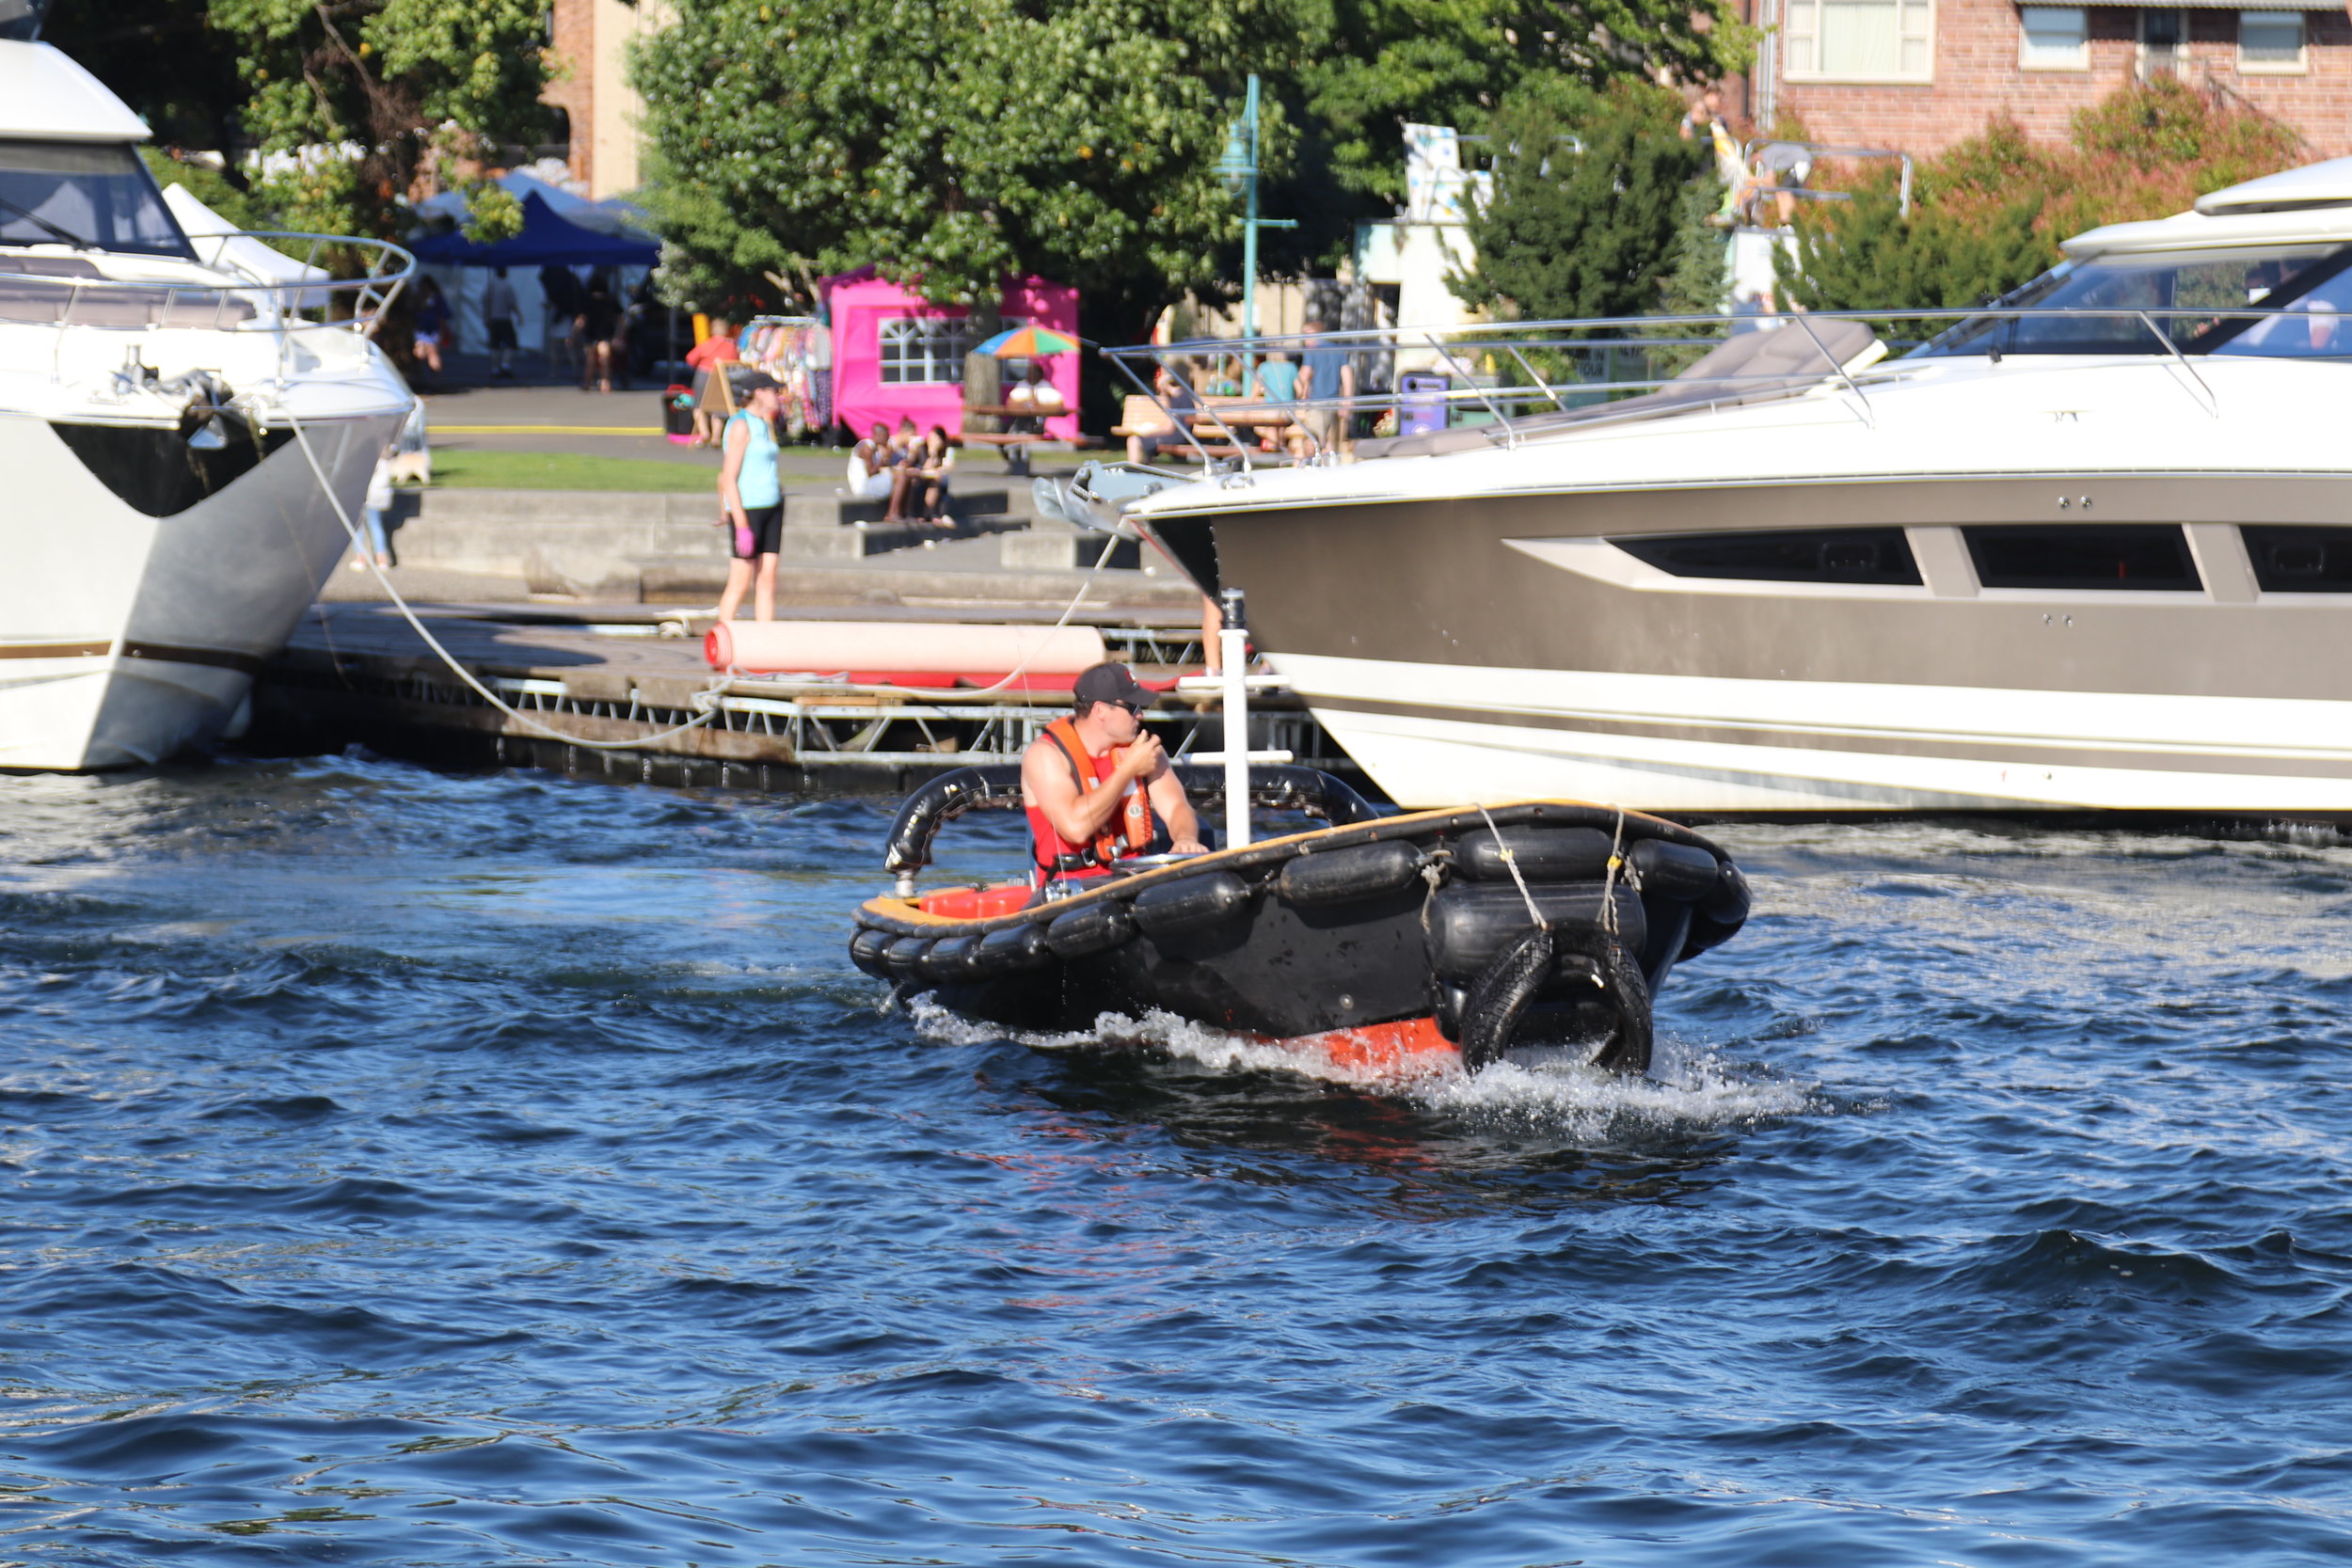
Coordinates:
[902,917]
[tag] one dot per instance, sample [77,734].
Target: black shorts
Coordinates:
[502,334]
[767,532]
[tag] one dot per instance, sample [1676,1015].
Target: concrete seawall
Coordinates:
[667,548]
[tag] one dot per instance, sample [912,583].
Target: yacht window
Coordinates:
[1864,555]
[2307,279]
[2290,560]
[87,193]
[2115,556]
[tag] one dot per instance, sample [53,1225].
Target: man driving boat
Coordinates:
[1099,789]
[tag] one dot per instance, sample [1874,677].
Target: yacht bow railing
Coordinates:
[36,291]
[1500,383]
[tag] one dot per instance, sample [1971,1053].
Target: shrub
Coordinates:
[1989,212]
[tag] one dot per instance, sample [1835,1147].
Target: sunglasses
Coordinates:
[1132,708]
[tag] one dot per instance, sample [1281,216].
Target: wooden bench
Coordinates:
[1016,448]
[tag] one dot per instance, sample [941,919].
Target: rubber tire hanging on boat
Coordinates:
[1500,997]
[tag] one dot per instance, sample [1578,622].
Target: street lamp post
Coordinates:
[1239,169]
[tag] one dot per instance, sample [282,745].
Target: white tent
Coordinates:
[199,221]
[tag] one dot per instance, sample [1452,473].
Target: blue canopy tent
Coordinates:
[546,239]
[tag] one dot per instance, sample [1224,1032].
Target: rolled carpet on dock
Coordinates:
[826,647]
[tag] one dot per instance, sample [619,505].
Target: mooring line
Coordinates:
[707,699]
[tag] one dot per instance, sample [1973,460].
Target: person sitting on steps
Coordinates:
[1098,788]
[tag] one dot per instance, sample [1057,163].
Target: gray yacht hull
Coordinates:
[1502,646]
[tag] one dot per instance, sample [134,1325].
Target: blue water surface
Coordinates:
[416,1169]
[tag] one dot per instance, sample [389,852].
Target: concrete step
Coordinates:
[825,543]
[1065,549]
[497,532]
[830,508]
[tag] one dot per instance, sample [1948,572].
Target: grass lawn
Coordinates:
[475,469]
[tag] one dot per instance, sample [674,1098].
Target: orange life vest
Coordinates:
[1128,832]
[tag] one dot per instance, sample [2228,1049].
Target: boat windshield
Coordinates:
[88,194]
[2313,281]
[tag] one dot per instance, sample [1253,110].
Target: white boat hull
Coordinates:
[126,639]
[1700,744]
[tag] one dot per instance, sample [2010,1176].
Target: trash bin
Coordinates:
[677,414]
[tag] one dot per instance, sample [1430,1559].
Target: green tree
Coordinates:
[415,86]
[1588,204]
[791,137]
[951,146]
[1457,62]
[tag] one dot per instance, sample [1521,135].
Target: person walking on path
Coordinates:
[431,327]
[599,318]
[561,287]
[501,310]
[751,496]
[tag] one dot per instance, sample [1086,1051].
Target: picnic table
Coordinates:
[1016,446]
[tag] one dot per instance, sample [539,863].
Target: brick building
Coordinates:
[1919,75]
[590,39]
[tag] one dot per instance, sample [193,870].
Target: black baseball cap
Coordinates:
[1107,683]
[758,381]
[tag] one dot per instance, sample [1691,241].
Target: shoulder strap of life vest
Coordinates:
[1134,819]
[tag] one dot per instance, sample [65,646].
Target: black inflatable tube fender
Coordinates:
[1096,928]
[1678,871]
[1543,854]
[1193,904]
[865,951]
[949,960]
[1469,924]
[1013,949]
[1351,874]
[904,956]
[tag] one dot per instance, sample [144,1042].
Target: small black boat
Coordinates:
[1387,943]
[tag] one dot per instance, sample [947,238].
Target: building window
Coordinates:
[2270,43]
[2161,33]
[2054,38]
[925,350]
[1861,40]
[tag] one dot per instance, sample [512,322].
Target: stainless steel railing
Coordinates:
[252,300]
[1508,381]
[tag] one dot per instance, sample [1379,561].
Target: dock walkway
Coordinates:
[628,676]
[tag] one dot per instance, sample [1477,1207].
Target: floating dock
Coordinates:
[618,683]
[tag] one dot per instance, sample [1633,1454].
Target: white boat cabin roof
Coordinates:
[44,95]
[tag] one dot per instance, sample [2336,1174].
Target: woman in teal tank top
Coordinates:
[751,497]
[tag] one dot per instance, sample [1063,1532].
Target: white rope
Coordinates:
[1609,883]
[1511,863]
[706,700]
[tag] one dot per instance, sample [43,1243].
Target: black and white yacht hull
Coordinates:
[128,637]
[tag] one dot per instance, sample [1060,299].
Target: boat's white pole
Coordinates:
[1233,654]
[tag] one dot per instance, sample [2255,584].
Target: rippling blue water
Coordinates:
[412,1169]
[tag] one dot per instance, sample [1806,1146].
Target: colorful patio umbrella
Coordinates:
[1028,343]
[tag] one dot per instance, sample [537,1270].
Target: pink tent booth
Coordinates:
[897,355]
